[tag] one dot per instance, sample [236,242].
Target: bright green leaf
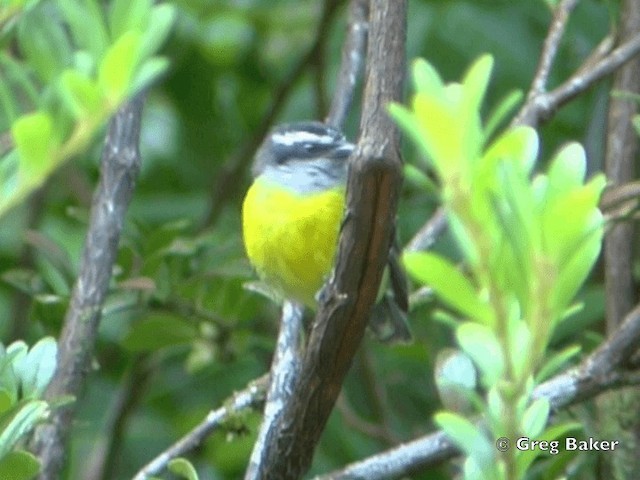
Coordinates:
[125,15]
[518,144]
[535,418]
[45,44]
[481,344]
[465,434]
[82,94]
[19,465]
[148,72]
[556,362]
[33,137]
[475,84]
[426,78]
[448,282]
[568,168]
[115,73]
[20,422]
[86,21]
[160,23]
[36,369]
[499,112]
[183,468]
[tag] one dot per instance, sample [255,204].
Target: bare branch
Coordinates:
[353,52]
[372,195]
[540,107]
[550,47]
[120,166]
[251,397]
[621,152]
[429,233]
[285,371]
[547,57]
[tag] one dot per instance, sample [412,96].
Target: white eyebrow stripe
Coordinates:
[300,136]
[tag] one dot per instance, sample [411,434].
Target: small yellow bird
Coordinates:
[291,220]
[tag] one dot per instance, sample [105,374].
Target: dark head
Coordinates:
[301,141]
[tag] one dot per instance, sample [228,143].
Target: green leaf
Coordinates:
[159,26]
[535,418]
[20,422]
[500,111]
[7,399]
[526,458]
[408,122]
[83,95]
[464,434]
[425,78]
[36,368]
[568,168]
[183,468]
[475,84]
[418,179]
[125,15]
[86,21]
[19,465]
[115,73]
[455,377]
[481,344]
[44,43]
[556,362]
[150,71]
[518,144]
[442,134]
[33,137]
[578,264]
[447,281]
[159,330]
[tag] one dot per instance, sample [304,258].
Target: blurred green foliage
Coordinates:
[178,327]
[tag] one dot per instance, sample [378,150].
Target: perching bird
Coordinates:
[291,219]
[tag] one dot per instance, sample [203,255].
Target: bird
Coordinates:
[291,217]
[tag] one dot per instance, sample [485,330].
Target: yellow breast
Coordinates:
[291,238]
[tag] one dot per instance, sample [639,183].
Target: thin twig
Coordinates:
[251,397]
[119,171]
[101,464]
[285,370]
[538,87]
[540,107]
[353,53]
[620,168]
[429,233]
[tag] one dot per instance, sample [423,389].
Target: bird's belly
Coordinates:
[290,238]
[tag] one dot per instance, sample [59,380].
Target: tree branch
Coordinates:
[120,166]
[540,105]
[285,371]
[429,233]
[251,397]
[372,195]
[353,52]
